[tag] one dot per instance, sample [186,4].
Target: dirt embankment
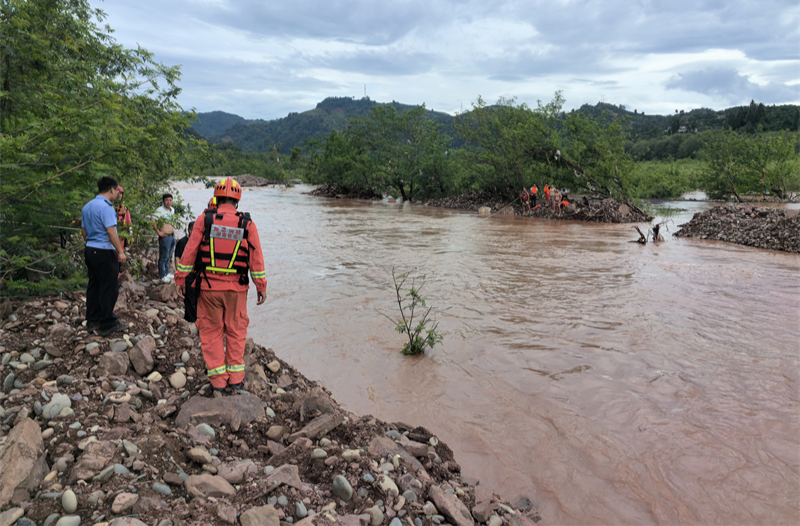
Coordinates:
[744,224]
[99,428]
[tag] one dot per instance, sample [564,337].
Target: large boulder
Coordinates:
[22,460]
[141,355]
[112,364]
[218,411]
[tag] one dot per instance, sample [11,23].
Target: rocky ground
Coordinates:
[744,224]
[605,211]
[124,430]
[336,192]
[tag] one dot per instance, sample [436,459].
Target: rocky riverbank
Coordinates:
[744,224]
[124,430]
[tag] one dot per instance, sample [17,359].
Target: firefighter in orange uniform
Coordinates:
[223,248]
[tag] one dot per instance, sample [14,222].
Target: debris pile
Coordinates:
[469,201]
[606,211]
[744,224]
[337,192]
[125,430]
[253,180]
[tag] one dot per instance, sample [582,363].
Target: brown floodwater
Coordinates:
[609,382]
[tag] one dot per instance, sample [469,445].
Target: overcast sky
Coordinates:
[264,59]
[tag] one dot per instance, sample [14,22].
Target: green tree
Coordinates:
[511,146]
[75,106]
[727,169]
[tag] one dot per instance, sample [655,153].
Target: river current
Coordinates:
[611,383]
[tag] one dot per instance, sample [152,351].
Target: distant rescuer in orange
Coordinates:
[223,248]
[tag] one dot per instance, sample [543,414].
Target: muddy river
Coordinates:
[609,382]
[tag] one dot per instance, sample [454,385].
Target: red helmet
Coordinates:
[212,203]
[228,187]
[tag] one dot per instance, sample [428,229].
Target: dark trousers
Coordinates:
[534,201]
[103,288]
[190,299]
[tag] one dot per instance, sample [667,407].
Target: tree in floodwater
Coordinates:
[736,164]
[512,146]
[407,150]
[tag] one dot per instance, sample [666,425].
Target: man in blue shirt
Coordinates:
[103,254]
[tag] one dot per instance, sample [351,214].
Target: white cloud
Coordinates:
[264,59]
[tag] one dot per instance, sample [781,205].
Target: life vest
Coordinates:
[534,190]
[224,248]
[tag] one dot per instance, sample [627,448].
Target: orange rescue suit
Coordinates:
[226,255]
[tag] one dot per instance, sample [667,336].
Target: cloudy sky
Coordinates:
[264,59]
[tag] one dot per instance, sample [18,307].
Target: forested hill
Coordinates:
[739,118]
[645,130]
[330,114]
[215,122]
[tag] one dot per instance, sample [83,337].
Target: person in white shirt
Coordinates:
[166,236]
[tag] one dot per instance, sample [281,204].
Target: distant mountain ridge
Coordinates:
[333,113]
[215,122]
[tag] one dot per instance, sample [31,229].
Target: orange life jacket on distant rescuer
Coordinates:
[223,248]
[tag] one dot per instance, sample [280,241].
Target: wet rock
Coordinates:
[260,516]
[141,355]
[208,486]
[451,507]
[219,411]
[112,364]
[22,460]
